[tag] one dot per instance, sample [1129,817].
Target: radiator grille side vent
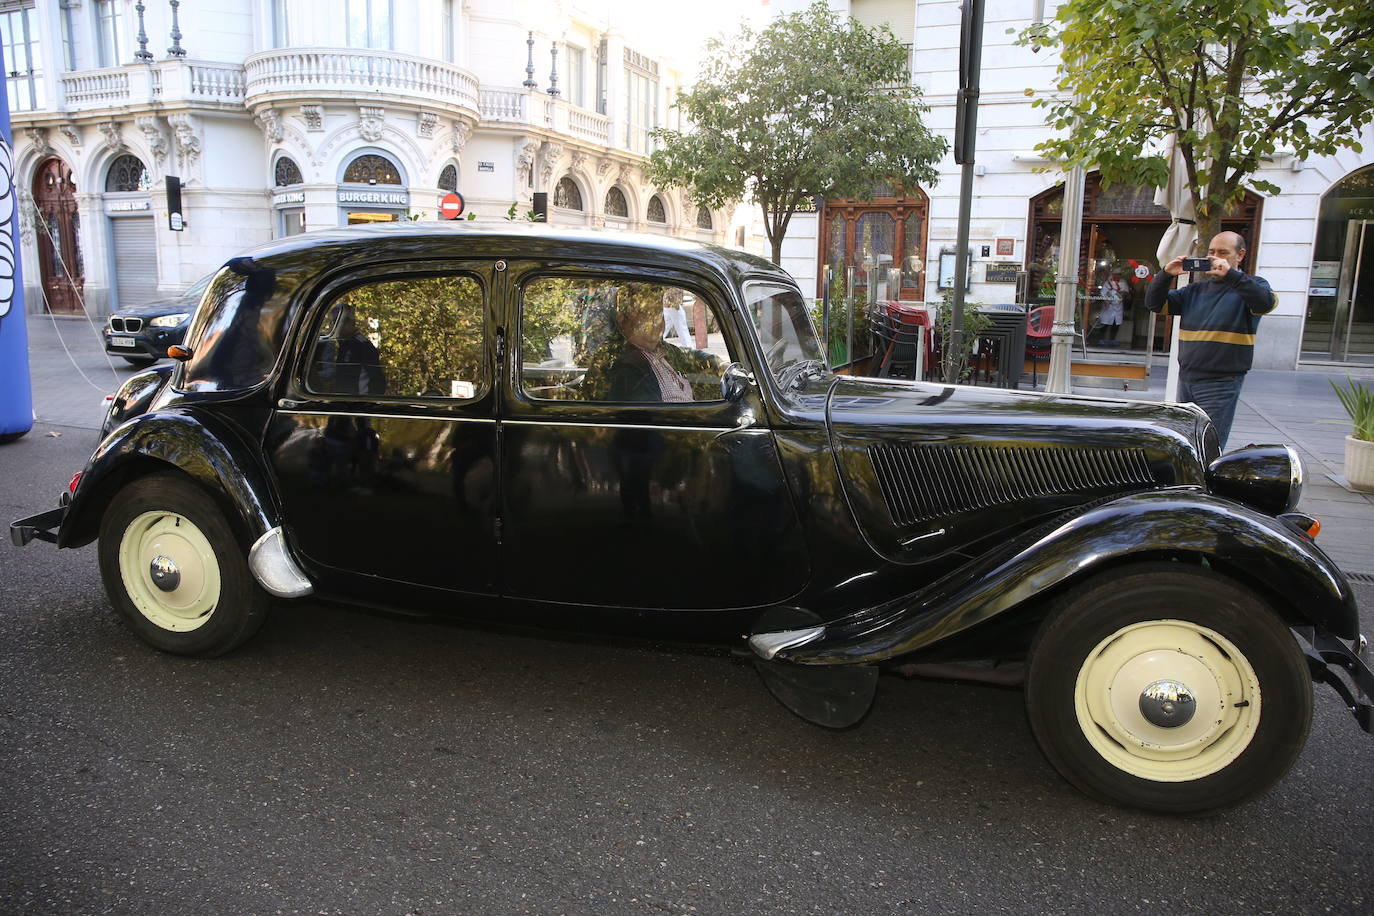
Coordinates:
[924,482]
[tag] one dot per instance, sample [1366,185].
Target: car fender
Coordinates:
[210,451]
[1259,551]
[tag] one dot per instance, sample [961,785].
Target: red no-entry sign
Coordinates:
[452,205]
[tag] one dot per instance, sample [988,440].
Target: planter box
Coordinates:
[1359,464]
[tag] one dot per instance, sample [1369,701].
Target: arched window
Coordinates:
[656,213]
[615,203]
[448,178]
[127,173]
[371,168]
[286,173]
[704,219]
[566,195]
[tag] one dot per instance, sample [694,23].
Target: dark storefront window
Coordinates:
[1339,323]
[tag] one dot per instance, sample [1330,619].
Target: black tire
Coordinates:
[1243,746]
[140,362]
[193,618]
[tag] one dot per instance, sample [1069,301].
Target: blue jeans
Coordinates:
[1216,394]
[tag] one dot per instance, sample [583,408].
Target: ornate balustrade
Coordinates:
[167,81]
[317,72]
[84,89]
[504,105]
[589,125]
[217,82]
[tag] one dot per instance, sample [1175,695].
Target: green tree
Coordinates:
[1234,81]
[811,105]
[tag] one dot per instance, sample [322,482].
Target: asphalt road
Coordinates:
[344,762]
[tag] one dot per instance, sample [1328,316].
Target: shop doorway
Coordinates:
[1340,304]
[59,249]
[881,238]
[1121,231]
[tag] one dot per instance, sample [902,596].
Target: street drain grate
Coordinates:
[1365,577]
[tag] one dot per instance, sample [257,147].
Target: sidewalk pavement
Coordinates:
[71,375]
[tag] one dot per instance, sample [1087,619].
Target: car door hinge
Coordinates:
[496,524]
[500,343]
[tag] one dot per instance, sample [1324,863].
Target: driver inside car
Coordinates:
[637,364]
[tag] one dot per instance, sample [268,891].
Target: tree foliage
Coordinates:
[1235,81]
[811,105]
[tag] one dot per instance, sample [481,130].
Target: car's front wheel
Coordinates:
[174,569]
[1169,688]
[140,362]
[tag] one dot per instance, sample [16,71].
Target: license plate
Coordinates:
[122,342]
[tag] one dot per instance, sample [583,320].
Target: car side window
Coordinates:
[412,337]
[621,341]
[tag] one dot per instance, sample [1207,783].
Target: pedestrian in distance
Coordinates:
[1218,318]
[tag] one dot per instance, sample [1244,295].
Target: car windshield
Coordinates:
[197,289]
[783,326]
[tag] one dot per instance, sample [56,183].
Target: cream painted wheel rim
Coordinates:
[1119,670]
[168,537]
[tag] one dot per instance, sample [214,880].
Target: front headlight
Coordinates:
[1263,477]
[169,321]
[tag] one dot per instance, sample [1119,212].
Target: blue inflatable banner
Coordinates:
[16,393]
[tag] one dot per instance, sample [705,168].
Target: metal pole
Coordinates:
[825,314]
[956,318]
[849,316]
[1066,285]
[965,141]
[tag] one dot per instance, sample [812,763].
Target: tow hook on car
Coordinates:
[1325,654]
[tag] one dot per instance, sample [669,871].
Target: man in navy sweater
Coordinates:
[1218,318]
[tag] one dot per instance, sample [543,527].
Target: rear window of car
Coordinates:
[235,337]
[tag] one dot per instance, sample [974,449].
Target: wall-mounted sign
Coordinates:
[486,166]
[175,221]
[1006,248]
[1325,270]
[389,198]
[1348,208]
[1321,291]
[126,206]
[1001,272]
[289,197]
[947,269]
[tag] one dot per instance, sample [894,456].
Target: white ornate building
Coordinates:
[278,116]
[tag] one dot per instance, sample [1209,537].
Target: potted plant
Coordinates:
[1358,400]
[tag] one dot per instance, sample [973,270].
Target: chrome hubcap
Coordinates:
[1167,704]
[165,574]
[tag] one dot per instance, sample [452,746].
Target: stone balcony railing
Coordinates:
[533,108]
[306,74]
[314,73]
[165,82]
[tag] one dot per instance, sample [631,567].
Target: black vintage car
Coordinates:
[141,334]
[603,432]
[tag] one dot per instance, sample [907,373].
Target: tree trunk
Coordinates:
[1207,227]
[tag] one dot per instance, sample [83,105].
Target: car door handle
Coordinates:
[746,420]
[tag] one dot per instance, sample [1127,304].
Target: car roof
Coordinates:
[492,238]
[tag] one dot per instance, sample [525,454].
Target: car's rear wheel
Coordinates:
[174,569]
[1168,688]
